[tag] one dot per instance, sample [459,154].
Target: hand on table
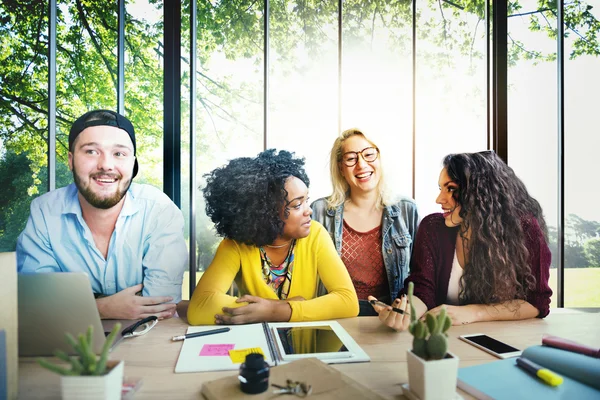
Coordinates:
[126,305]
[460,315]
[257,310]
[393,319]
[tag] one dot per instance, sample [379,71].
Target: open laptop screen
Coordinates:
[51,304]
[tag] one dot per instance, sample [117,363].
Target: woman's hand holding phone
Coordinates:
[397,320]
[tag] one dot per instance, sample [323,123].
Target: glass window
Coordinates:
[23,114]
[144,86]
[86,65]
[450,92]
[303,85]
[377,83]
[532,116]
[532,142]
[229,103]
[582,230]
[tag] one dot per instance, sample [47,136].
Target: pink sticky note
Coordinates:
[216,349]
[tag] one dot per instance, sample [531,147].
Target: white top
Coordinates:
[453,284]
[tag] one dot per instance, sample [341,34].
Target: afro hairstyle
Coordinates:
[244,198]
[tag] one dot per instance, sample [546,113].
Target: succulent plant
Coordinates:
[85,362]
[430,341]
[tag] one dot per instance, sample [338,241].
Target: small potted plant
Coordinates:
[90,376]
[432,370]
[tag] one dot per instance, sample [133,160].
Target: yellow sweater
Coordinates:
[315,257]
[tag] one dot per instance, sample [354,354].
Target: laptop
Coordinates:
[53,303]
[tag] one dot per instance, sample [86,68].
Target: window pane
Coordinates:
[229,99]
[185,141]
[144,86]
[86,65]
[303,85]
[451,92]
[377,82]
[532,116]
[582,231]
[23,114]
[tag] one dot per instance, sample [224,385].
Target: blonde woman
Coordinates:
[372,232]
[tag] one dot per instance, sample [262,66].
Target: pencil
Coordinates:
[381,303]
[201,333]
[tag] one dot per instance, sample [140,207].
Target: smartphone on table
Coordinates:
[491,345]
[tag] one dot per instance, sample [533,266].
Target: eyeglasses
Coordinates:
[369,154]
[140,327]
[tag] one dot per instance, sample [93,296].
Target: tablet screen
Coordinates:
[310,340]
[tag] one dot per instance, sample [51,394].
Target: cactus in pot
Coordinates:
[86,363]
[430,341]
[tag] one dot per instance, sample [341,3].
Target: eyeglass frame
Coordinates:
[361,154]
[147,324]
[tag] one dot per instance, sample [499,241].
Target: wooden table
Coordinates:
[153,356]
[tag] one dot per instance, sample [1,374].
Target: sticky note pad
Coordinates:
[216,349]
[239,356]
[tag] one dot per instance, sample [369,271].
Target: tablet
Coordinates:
[325,340]
[314,340]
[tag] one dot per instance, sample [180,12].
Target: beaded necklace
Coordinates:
[278,277]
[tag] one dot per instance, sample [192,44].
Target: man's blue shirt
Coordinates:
[147,245]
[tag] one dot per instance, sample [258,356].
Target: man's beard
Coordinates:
[96,201]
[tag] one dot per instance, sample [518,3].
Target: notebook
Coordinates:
[280,343]
[505,380]
[55,303]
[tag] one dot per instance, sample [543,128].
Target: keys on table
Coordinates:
[296,388]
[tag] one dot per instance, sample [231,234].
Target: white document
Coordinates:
[281,343]
[239,337]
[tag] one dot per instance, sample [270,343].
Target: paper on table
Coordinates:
[216,349]
[243,336]
[239,356]
[130,386]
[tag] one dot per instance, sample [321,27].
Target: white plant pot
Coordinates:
[105,387]
[434,379]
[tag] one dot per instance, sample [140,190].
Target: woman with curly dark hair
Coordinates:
[271,248]
[486,256]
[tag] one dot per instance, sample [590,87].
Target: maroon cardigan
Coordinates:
[433,254]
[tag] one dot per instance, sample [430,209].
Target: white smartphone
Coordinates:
[491,345]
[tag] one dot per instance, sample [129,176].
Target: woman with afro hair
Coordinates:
[271,248]
[486,256]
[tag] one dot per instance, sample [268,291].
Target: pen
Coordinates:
[198,334]
[547,376]
[381,303]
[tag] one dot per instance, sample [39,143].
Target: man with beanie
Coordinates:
[127,237]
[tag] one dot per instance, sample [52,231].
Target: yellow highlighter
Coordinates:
[547,376]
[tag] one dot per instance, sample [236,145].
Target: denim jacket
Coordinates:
[398,230]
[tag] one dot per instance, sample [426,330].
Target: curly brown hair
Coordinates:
[494,205]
